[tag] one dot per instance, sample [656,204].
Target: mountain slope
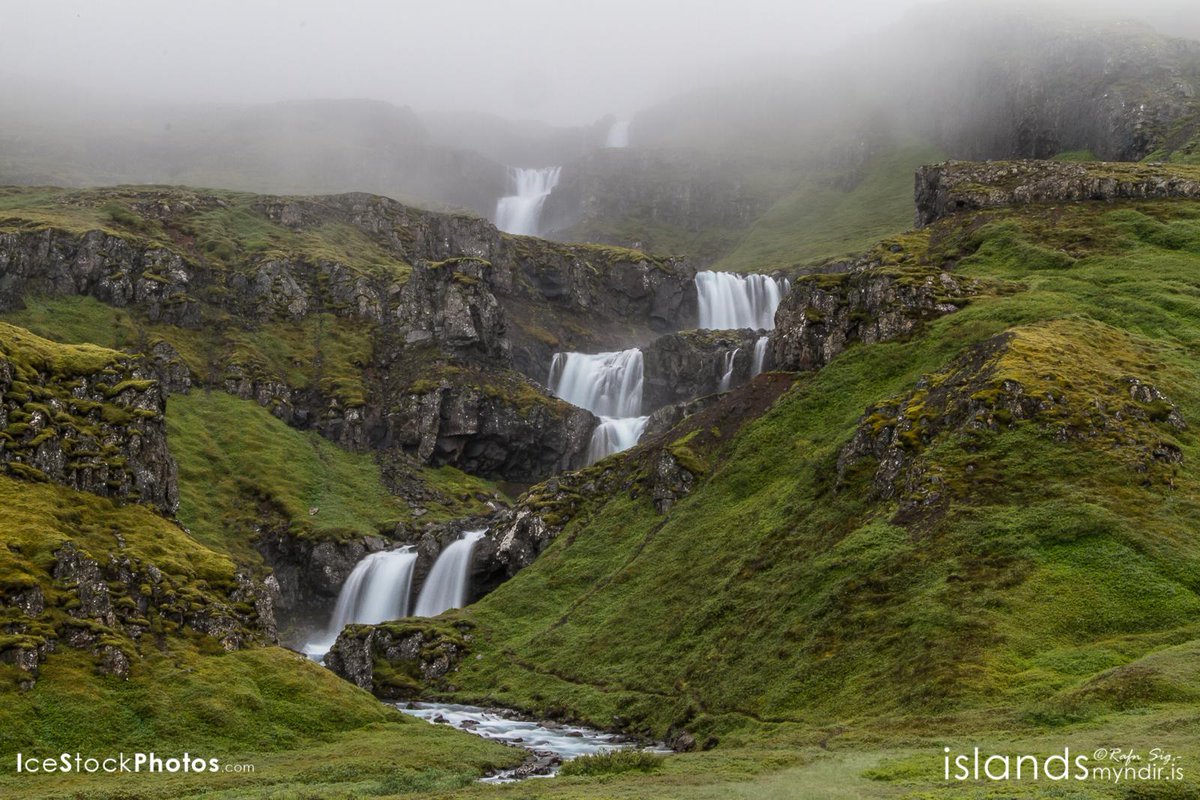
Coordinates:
[988,524]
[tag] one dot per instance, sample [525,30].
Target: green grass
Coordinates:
[240,467]
[819,220]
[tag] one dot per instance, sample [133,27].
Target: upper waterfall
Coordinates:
[521,212]
[618,134]
[448,581]
[728,300]
[376,591]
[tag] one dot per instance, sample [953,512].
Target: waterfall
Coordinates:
[727,378]
[606,384]
[760,355]
[730,301]
[521,211]
[613,435]
[618,134]
[448,581]
[376,591]
[610,386]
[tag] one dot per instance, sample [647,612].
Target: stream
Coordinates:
[550,743]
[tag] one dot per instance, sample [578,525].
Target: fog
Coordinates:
[558,62]
[432,102]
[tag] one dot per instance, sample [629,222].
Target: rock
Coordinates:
[418,656]
[958,186]
[823,314]
[681,367]
[101,431]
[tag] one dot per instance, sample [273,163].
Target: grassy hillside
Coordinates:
[821,219]
[1035,579]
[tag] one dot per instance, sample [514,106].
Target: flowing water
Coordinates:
[610,386]
[377,590]
[563,741]
[727,377]
[521,212]
[729,301]
[618,134]
[449,580]
[760,355]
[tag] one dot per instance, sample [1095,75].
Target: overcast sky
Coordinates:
[561,61]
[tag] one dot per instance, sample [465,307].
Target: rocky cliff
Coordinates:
[84,417]
[310,306]
[961,186]
[824,313]
[680,367]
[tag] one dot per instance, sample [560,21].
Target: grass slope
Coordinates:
[239,466]
[820,220]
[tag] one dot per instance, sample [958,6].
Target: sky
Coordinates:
[559,61]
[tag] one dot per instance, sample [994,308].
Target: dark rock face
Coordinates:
[308,574]
[679,367]
[506,430]
[101,432]
[957,186]
[823,314]
[110,268]
[451,303]
[399,660]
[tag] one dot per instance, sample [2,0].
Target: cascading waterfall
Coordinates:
[760,355]
[618,134]
[448,581]
[376,591]
[610,386]
[521,212]
[727,378]
[606,384]
[729,301]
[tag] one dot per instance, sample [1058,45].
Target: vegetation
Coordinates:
[823,218]
[241,468]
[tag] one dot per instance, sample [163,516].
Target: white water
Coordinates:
[521,212]
[727,378]
[376,591]
[565,741]
[618,134]
[606,384]
[760,355]
[610,386]
[729,301]
[448,581]
[614,435]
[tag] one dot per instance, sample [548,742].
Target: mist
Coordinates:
[433,103]
[561,63]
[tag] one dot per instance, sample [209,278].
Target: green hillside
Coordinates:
[1034,578]
[822,218]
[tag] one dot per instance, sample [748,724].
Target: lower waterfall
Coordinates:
[450,579]
[376,591]
[727,376]
[760,355]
